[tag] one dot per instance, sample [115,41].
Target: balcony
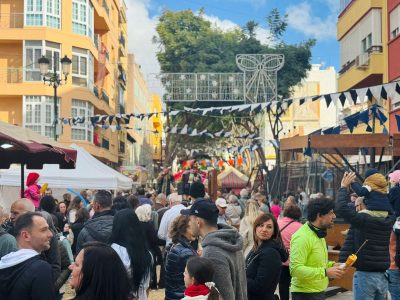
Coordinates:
[106,8]
[12,20]
[105,97]
[122,40]
[365,70]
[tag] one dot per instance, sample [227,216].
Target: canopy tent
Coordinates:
[89,173]
[232,178]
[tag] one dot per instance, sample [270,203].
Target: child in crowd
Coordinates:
[198,280]
[33,189]
[276,208]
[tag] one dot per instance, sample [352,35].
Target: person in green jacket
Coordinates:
[309,265]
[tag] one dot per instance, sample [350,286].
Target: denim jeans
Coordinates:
[370,285]
[394,284]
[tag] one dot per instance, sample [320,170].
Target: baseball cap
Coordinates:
[197,190]
[221,202]
[204,209]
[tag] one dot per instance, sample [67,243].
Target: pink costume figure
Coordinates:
[33,189]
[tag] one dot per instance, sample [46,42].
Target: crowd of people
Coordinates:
[235,247]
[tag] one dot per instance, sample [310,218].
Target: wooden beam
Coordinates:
[341,141]
[294,143]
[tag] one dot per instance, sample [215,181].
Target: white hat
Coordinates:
[221,202]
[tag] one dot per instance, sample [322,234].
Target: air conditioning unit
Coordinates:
[362,61]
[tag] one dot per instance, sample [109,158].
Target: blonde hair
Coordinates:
[260,197]
[252,211]
[143,213]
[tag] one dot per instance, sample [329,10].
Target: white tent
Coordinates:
[90,173]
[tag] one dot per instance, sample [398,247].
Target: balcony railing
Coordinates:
[97,41]
[105,97]
[13,20]
[11,75]
[122,40]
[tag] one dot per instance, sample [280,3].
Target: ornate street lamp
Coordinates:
[54,79]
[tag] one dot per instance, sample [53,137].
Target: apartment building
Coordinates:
[93,34]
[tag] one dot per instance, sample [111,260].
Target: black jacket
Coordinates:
[263,270]
[394,198]
[175,265]
[96,229]
[29,280]
[374,256]
[76,230]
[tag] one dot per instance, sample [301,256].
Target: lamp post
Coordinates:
[54,79]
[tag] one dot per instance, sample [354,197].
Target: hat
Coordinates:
[197,190]
[395,176]
[221,202]
[31,179]
[370,172]
[204,209]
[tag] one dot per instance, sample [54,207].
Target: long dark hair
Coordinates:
[276,236]
[202,270]
[103,274]
[127,232]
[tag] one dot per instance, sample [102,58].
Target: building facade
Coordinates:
[93,34]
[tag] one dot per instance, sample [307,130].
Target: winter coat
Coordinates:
[374,256]
[263,270]
[224,248]
[374,200]
[96,229]
[52,256]
[32,192]
[152,240]
[175,263]
[246,231]
[25,275]
[394,199]
[65,262]
[233,212]
[76,230]
[7,243]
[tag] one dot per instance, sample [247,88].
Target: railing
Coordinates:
[122,40]
[97,41]
[121,108]
[13,20]
[105,97]
[11,75]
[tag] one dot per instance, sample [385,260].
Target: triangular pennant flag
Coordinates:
[364,151]
[398,122]
[184,129]
[315,98]
[194,132]
[384,94]
[110,119]
[385,131]
[308,152]
[352,121]
[328,99]
[364,116]
[354,96]
[381,116]
[376,91]
[275,143]
[327,131]
[174,129]
[368,129]
[302,100]
[336,130]
[342,98]
[361,94]
[335,98]
[369,94]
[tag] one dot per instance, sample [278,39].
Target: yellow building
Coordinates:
[362,35]
[93,34]
[140,101]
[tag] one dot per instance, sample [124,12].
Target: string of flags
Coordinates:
[352,96]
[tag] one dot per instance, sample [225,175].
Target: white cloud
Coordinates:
[141,29]
[300,18]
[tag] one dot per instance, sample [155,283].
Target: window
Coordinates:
[33,51]
[83,17]
[39,114]
[43,13]
[82,67]
[121,102]
[395,22]
[82,132]
[366,43]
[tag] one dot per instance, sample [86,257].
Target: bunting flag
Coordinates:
[352,121]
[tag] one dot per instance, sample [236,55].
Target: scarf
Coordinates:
[197,290]
[377,183]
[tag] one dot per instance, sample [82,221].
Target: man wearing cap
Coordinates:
[221,244]
[222,205]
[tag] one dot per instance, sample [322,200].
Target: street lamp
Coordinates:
[53,79]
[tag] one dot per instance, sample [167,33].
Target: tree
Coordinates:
[189,43]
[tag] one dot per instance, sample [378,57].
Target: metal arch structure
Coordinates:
[256,83]
[260,72]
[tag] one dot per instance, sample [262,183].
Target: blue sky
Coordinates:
[307,19]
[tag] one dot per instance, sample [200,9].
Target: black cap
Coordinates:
[197,190]
[204,209]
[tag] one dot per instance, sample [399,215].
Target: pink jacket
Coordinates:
[33,193]
[287,232]
[276,210]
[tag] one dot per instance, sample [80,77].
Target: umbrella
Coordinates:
[25,147]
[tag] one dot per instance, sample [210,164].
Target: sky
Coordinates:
[306,19]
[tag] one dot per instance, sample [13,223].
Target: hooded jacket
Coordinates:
[224,248]
[374,256]
[32,191]
[96,229]
[263,270]
[374,192]
[25,275]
